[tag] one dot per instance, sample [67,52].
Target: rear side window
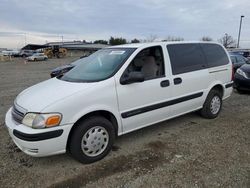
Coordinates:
[215,55]
[186,57]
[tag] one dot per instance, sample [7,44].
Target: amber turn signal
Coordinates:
[53,121]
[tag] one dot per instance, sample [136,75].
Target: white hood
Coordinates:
[39,96]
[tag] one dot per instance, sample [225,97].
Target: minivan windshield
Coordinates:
[99,66]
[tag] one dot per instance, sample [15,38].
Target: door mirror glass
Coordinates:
[132,77]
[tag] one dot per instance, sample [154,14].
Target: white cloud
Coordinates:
[90,20]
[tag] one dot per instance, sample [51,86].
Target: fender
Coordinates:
[95,108]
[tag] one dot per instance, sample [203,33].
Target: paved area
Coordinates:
[188,151]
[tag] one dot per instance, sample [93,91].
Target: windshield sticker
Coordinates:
[117,52]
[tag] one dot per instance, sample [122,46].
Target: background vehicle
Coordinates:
[37,57]
[55,51]
[65,68]
[14,53]
[26,53]
[242,78]
[244,53]
[237,60]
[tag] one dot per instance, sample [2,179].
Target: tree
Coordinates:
[135,41]
[206,38]
[151,38]
[173,38]
[117,41]
[227,41]
[100,42]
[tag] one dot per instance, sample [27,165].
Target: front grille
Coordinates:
[17,115]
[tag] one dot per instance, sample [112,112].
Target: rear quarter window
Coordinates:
[215,55]
[186,57]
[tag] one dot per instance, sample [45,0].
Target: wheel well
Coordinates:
[106,114]
[219,88]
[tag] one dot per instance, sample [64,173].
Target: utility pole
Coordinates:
[62,39]
[238,43]
[25,39]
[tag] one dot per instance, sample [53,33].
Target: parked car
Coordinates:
[13,53]
[244,53]
[238,61]
[65,68]
[37,57]
[117,90]
[242,78]
[26,53]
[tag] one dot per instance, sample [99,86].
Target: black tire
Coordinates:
[82,128]
[207,111]
[35,59]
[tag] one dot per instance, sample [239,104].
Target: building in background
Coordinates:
[73,48]
[78,48]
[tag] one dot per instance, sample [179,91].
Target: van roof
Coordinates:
[138,45]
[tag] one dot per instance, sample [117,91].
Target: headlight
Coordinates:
[40,121]
[241,72]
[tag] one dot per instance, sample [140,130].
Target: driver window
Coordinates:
[149,62]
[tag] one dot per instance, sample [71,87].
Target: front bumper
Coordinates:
[38,142]
[241,83]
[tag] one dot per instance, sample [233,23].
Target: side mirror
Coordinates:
[132,77]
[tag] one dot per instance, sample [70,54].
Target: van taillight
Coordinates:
[232,77]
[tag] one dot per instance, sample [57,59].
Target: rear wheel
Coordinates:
[212,105]
[92,139]
[35,59]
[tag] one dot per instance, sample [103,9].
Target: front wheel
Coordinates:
[92,139]
[212,105]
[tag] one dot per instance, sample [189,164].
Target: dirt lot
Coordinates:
[188,151]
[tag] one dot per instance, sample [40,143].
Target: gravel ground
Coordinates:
[188,151]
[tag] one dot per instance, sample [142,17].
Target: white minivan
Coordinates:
[117,90]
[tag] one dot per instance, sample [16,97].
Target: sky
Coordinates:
[40,21]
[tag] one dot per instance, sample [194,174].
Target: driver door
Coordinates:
[144,103]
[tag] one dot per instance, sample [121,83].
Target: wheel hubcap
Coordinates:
[95,141]
[215,105]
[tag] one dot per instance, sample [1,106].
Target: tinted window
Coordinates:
[186,57]
[215,55]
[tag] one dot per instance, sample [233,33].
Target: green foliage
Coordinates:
[206,38]
[100,42]
[135,41]
[117,41]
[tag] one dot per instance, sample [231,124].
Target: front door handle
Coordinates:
[177,81]
[165,83]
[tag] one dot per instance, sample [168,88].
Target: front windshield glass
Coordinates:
[79,61]
[98,66]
